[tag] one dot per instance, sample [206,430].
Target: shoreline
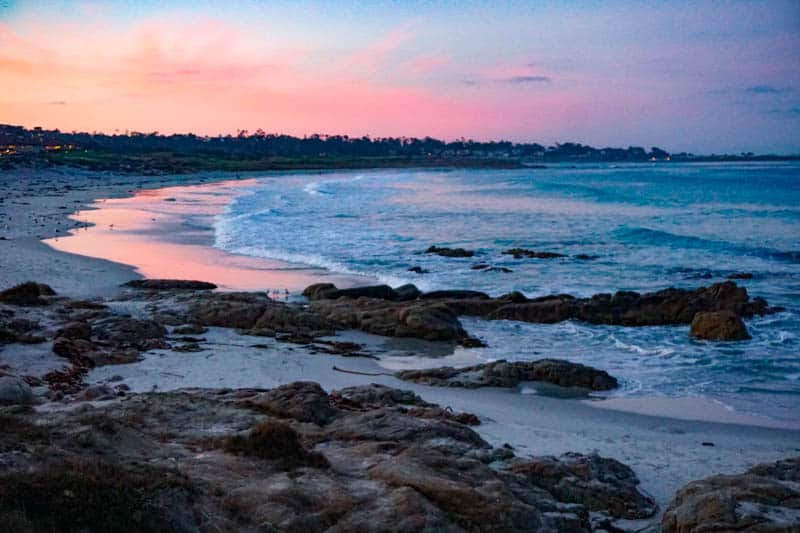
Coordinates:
[666,452]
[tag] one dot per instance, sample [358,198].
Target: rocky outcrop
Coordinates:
[510,374]
[765,498]
[420,320]
[519,253]
[719,326]
[597,483]
[211,460]
[449,252]
[667,307]
[170,285]
[125,332]
[304,401]
[27,294]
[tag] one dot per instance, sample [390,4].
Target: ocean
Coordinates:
[645,227]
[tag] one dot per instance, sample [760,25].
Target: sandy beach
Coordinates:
[666,443]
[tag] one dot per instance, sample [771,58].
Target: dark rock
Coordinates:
[719,326]
[449,252]
[383,292]
[126,332]
[27,294]
[519,253]
[597,483]
[455,295]
[238,310]
[422,320]
[77,351]
[319,291]
[479,266]
[510,374]
[765,498]
[407,292]
[740,275]
[418,270]
[586,257]
[302,400]
[14,391]
[76,330]
[170,284]
[666,307]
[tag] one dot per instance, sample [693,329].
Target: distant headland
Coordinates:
[153,153]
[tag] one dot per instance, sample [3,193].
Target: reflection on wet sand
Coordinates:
[168,233]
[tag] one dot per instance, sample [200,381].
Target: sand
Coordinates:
[666,452]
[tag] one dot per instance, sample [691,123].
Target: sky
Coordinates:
[700,76]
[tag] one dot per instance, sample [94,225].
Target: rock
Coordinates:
[597,483]
[765,498]
[126,332]
[719,326]
[14,390]
[373,396]
[418,270]
[170,284]
[519,253]
[204,459]
[228,310]
[319,291]
[27,294]
[455,295]
[383,292]
[75,330]
[275,441]
[417,319]
[510,374]
[740,275]
[449,252]
[302,400]
[77,351]
[667,307]
[586,257]
[407,292]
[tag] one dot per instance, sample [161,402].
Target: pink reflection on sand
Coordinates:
[149,232]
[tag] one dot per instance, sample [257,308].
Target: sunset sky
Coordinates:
[708,76]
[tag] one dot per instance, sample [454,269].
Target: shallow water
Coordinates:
[649,226]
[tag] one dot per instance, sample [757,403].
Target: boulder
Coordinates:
[228,310]
[407,292]
[765,498]
[510,374]
[27,294]
[319,291]
[597,483]
[718,326]
[127,332]
[14,390]
[422,320]
[449,252]
[304,401]
[170,284]
[75,330]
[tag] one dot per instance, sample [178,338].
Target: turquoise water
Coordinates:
[649,226]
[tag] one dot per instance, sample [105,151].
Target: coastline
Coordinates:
[666,452]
